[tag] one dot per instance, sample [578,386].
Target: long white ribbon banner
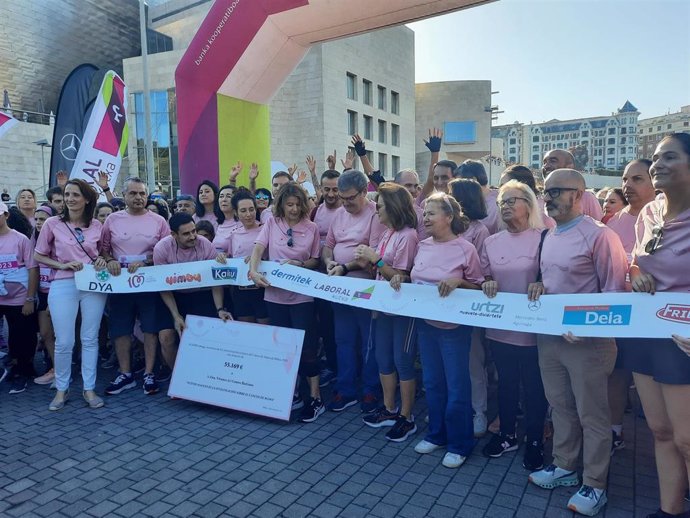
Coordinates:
[633,315]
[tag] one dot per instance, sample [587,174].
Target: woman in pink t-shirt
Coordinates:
[207,203]
[662,367]
[65,244]
[394,337]
[248,301]
[45,325]
[291,238]
[26,203]
[448,261]
[510,262]
[524,175]
[614,202]
[227,218]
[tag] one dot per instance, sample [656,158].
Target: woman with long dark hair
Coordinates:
[66,243]
[207,203]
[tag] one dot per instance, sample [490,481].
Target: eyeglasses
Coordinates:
[510,202]
[290,243]
[349,198]
[655,243]
[261,196]
[79,235]
[555,192]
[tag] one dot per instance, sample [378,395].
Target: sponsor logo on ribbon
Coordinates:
[183,278]
[364,294]
[675,313]
[597,315]
[136,281]
[224,273]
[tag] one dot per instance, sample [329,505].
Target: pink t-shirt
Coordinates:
[511,259]
[131,238]
[398,248]
[167,251]
[323,219]
[549,222]
[348,231]
[305,245]
[209,216]
[669,263]
[241,242]
[586,258]
[15,252]
[223,232]
[454,259]
[491,221]
[591,206]
[623,224]
[476,233]
[421,229]
[58,240]
[266,214]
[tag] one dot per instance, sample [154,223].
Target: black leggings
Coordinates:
[299,316]
[21,339]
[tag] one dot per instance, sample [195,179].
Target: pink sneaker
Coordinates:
[46,379]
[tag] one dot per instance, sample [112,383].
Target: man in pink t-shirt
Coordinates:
[18,286]
[580,255]
[127,240]
[562,159]
[354,224]
[409,179]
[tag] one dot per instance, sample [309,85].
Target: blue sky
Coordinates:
[564,59]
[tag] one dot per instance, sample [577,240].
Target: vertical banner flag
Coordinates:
[6,122]
[74,107]
[105,137]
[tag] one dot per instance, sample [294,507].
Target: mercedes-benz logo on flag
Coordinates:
[69,146]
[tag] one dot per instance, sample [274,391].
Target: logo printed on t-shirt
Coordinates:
[597,315]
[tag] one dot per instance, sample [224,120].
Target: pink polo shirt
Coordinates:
[511,259]
[586,258]
[59,242]
[421,229]
[623,224]
[241,242]
[130,238]
[305,245]
[168,252]
[15,252]
[348,231]
[493,217]
[436,261]
[669,263]
[223,232]
[476,233]
[266,214]
[323,219]
[398,248]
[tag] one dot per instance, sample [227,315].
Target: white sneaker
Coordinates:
[587,501]
[480,424]
[426,447]
[453,460]
[552,476]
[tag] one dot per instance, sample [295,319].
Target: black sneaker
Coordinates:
[297,402]
[369,403]
[120,384]
[381,417]
[401,430]
[534,456]
[617,442]
[312,411]
[18,384]
[150,384]
[340,403]
[500,444]
[163,374]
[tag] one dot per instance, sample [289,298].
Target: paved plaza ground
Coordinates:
[153,456]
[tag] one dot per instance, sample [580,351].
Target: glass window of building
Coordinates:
[395,135]
[382,97]
[395,164]
[351,86]
[368,127]
[351,122]
[395,103]
[382,131]
[382,163]
[366,91]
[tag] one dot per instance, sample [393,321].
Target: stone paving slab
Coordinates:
[151,456]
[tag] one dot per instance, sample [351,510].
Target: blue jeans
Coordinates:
[353,326]
[445,355]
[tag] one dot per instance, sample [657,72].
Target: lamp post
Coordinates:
[493,110]
[150,176]
[44,144]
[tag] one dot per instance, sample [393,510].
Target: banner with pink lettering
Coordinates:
[105,138]
[6,123]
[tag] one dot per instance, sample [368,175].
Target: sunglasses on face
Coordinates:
[261,196]
[655,243]
[555,192]
[510,202]
[290,242]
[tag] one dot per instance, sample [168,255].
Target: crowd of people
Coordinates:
[453,231]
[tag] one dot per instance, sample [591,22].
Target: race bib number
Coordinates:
[44,277]
[8,263]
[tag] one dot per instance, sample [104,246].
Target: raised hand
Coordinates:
[311,164]
[330,160]
[61,177]
[359,146]
[434,141]
[103,180]
[291,171]
[253,171]
[349,161]
[302,176]
[235,171]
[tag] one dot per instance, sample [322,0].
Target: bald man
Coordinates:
[409,179]
[562,159]
[579,255]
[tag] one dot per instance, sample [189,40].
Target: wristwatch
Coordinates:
[380,263]
[345,268]
[218,310]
